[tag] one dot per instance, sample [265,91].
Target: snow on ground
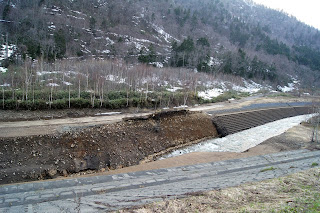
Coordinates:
[3,70]
[139,44]
[218,88]
[56,9]
[107,113]
[157,64]
[181,107]
[109,41]
[6,52]
[67,83]
[242,141]
[174,89]
[52,26]
[77,12]
[53,85]
[105,51]
[288,88]
[214,62]
[3,51]
[47,73]
[5,85]
[250,87]
[166,36]
[209,94]
[75,17]
[291,86]
[116,79]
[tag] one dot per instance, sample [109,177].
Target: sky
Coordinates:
[306,11]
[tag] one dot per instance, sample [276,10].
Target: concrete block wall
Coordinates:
[235,122]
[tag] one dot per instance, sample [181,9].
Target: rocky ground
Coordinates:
[100,148]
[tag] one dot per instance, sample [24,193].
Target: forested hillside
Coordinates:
[218,37]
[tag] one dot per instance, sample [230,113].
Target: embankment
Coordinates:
[101,147]
[231,123]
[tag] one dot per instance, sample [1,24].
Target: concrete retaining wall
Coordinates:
[235,122]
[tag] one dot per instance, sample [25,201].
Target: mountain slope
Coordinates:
[232,36]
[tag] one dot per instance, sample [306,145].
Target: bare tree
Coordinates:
[315,122]
[2,97]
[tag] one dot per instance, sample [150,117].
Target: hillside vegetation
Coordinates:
[235,42]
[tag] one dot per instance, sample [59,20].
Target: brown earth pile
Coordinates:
[101,147]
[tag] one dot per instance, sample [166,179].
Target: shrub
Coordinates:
[60,104]
[39,105]
[24,105]
[114,95]
[117,104]
[10,104]
[80,103]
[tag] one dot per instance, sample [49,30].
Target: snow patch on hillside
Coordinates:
[291,86]
[47,73]
[216,88]
[115,79]
[3,70]
[288,88]
[157,64]
[5,84]
[174,89]
[75,17]
[166,36]
[51,26]
[6,52]
[109,41]
[105,51]
[250,87]
[214,62]
[67,83]
[53,85]
[211,93]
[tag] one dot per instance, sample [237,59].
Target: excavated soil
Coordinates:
[298,137]
[100,148]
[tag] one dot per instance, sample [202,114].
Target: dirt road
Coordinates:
[52,126]
[45,127]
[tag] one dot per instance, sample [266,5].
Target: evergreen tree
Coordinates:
[60,43]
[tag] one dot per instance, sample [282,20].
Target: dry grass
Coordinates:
[295,193]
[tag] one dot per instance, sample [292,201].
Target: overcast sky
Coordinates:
[307,11]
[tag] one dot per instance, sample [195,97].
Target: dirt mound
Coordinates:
[101,147]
